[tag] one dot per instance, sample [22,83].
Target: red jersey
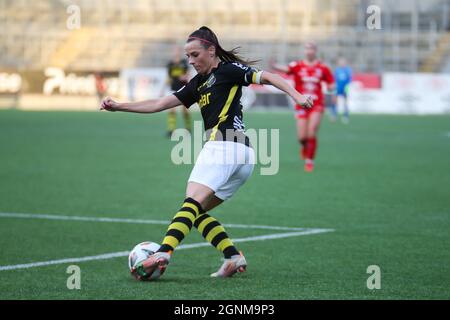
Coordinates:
[308,79]
[100,84]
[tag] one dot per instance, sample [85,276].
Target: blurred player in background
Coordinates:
[178,76]
[343,77]
[100,86]
[309,76]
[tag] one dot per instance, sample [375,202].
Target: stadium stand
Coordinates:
[137,33]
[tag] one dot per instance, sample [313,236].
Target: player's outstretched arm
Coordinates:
[278,82]
[146,106]
[278,67]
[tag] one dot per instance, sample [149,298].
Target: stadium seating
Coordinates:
[140,33]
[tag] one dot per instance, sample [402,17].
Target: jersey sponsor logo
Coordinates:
[310,87]
[204,100]
[311,74]
[307,78]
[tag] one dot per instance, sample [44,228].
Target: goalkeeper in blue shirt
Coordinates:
[343,77]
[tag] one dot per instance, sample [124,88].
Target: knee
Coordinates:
[303,134]
[200,194]
[311,134]
[200,198]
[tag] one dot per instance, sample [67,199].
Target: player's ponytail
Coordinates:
[208,38]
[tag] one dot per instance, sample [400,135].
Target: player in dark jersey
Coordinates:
[178,76]
[227,158]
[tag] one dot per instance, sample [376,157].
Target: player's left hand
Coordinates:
[304,101]
[109,104]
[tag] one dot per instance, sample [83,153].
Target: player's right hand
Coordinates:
[109,104]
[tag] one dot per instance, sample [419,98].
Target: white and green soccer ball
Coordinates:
[141,252]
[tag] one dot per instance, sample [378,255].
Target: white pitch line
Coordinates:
[78,218]
[181,247]
[137,221]
[283,235]
[62,261]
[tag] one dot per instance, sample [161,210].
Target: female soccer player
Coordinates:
[309,75]
[227,158]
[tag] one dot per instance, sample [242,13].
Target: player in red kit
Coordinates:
[309,76]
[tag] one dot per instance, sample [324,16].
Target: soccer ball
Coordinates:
[141,252]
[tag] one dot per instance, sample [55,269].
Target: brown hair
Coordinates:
[208,38]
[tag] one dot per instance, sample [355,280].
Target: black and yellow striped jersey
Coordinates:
[176,70]
[218,95]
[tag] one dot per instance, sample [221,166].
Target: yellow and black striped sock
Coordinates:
[181,224]
[187,121]
[171,121]
[214,233]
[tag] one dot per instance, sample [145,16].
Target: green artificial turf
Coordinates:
[381,183]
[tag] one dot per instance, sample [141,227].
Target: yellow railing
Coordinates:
[436,57]
[74,45]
